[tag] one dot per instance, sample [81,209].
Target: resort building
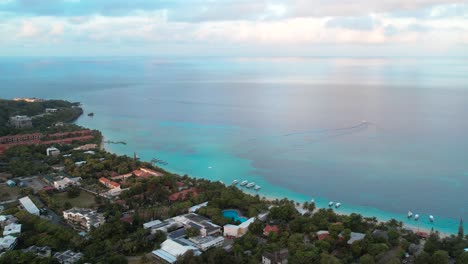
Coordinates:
[12,229]
[29,206]
[279,257]
[355,237]
[205,243]
[237,230]
[6,220]
[171,249]
[270,229]
[66,182]
[108,183]
[43,252]
[83,218]
[122,177]
[194,208]
[21,121]
[163,226]
[202,224]
[8,243]
[68,257]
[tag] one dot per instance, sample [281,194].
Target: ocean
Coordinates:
[380,135]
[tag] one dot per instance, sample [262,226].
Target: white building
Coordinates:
[21,121]
[12,229]
[83,218]
[52,151]
[66,182]
[205,243]
[68,257]
[29,206]
[51,110]
[237,231]
[170,250]
[194,208]
[8,243]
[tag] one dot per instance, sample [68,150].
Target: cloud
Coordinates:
[353,23]
[28,30]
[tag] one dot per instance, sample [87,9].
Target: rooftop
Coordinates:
[28,205]
[68,256]
[11,229]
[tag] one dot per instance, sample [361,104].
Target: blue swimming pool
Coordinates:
[234,214]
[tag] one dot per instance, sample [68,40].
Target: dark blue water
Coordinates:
[293,125]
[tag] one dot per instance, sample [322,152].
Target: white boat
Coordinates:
[244,183]
[410,214]
[416,217]
[257,187]
[312,200]
[431,218]
[337,205]
[330,204]
[250,185]
[234,182]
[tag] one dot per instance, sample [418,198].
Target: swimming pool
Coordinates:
[234,214]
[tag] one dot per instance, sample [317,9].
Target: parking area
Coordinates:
[35,183]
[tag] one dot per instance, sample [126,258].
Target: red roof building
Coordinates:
[108,183]
[321,235]
[423,235]
[182,195]
[270,229]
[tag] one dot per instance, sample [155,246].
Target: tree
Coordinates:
[440,257]
[432,243]
[460,229]
[463,258]
[73,192]
[192,232]
[367,259]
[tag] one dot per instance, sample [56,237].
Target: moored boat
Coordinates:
[257,187]
[250,185]
[416,217]
[234,182]
[337,205]
[330,204]
[410,214]
[244,183]
[431,218]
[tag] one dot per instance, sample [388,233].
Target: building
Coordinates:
[322,234]
[51,110]
[171,249]
[194,208]
[279,257]
[29,206]
[237,230]
[183,195]
[68,257]
[6,220]
[270,229]
[66,182]
[163,226]
[43,252]
[122,177]
[53,151]
[80,163]
[12,229]
[11,183]
[21,121]
[108,183]
[205,243]
[355,237]
[8,243]
[83,218]
[202,224]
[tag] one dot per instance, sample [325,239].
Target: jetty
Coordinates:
[115,142]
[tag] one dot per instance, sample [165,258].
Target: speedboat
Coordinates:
[257,187]
[416,217]
[410,214]
[234,182]
[431,218]
[312,200]
[250,185]
[337,205]
[244,183]
[330,204]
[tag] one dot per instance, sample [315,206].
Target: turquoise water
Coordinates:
[292,125]
[234,214]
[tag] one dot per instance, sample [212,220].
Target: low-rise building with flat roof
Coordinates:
[43,252]
[83,218]
[29,206]
[205,243]
[8,243]
[68,257]
[172,249]
[66,182]
[21,121]
[12,229]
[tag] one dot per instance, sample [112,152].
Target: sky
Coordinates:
[228,27]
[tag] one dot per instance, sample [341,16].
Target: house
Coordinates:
[12,229]
[58,168]
[122,177]
[108,183]
[80,163]
[21,121]
[6,220]
[270,229]
[66,182]
[43,252]
[83,218]
[53,151]
[422,235]
[262,216]
[237,230]
[205,243]
[89,152]
[8,243]
[322,234]
[194,208]
[183,195]
[355,237]
[29,206]
[11,183]
[162,226]
[279,257]
[171,249]
[68,257]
